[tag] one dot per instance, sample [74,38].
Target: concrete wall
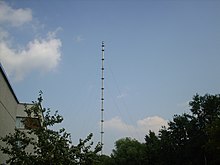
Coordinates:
[8,107]
[20,110]
[22,113]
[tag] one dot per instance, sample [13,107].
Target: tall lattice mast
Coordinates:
[102,98]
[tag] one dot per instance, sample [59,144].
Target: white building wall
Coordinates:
[20,114]
[8,107]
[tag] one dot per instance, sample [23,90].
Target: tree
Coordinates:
[104,160]
[128,151]
[206,113]
[212,146]
[152,148]
[49,147]
[189,138]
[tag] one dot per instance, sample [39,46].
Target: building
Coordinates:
[11,111]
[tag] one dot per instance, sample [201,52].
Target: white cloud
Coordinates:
[119,128]
[14,17]
[118,125]
[3,34]
[153,123]
[40,54]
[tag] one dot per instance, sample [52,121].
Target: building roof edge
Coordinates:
[7,81]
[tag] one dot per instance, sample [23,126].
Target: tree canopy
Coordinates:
[128,151]
[190,138]
[52,147]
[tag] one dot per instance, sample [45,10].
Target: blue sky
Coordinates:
[158,54]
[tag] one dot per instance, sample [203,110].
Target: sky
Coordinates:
[158,54]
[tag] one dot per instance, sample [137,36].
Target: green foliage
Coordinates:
[190,138]
[128,151]
[152,147]
[52,147]
[104,160]
[16,144]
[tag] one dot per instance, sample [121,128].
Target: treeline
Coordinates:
[190,139]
